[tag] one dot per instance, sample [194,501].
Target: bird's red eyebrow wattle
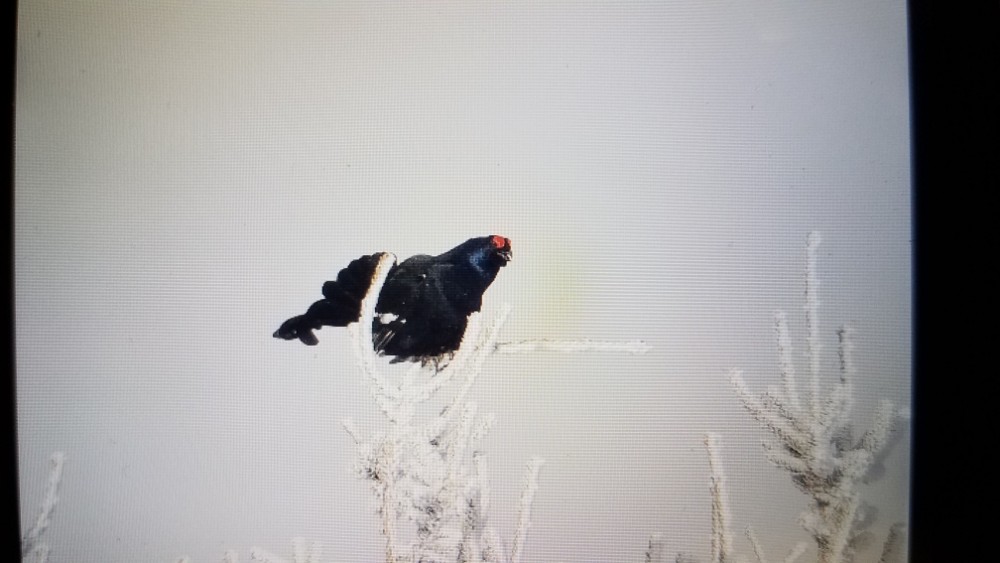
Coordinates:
[499,241]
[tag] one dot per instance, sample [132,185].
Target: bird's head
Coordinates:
[501,247]
[486,255]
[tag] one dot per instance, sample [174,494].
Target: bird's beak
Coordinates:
[505,252]
[502,247]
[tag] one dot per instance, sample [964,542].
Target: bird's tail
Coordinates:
[340,306]
[298,327]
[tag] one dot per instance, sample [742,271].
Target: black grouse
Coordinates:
[424,305]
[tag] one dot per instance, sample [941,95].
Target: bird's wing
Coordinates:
[352,283]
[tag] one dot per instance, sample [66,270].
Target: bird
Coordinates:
[423,307]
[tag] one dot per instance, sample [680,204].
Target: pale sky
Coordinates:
[188,174]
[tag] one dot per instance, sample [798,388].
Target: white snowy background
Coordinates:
[188,174]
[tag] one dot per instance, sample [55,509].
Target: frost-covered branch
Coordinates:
[815,444]
[258,554]
[430,473]
[812,439]
[31,549]
[894,549]
[655,550]
[572,346]
[813,342]
[302,552]
[524,511]
[722,539]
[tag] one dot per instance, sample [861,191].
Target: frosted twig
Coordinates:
[302,552]
[361,337]
[40,554]
[655,550]
[572,346]
[492,550]
[442,378]
[786,366]
[456,445]
[258,554]
[813,344]
[534,465]
[305,553]
[351,429]
[721,536]
[387,480]
[29,542]
[758,550]
[895,545]
[836,413]
[482,476]
[478,359]
[768,412]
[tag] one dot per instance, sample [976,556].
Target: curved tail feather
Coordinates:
[297,327]
[340,306]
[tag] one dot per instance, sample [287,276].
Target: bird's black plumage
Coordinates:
[424,305]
